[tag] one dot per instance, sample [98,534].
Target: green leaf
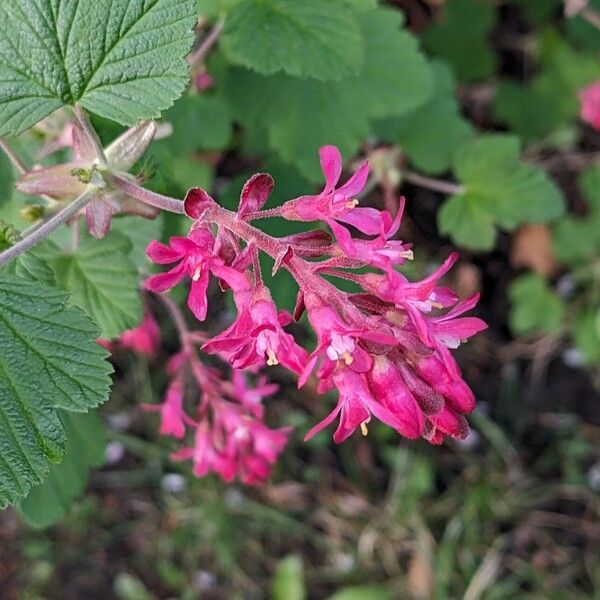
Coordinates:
[103,280]
[495,181]
[586,335]
[304,38]
[199,122]
[49,502]
[465,219]
[121,59]
[139,232]
[430,134]
[301,115]
[461,38]
[583,33]
[288,580]
[7,179]
[48,360]
[31,266]
[534,306]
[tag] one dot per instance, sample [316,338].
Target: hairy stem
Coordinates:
[437,185]
[14,159]
[46,227]
[91,135]
[143,195]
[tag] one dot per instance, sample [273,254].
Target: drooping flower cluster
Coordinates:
[386,349]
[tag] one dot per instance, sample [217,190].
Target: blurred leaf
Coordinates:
[582,33]
[139,232]
[461,38]
[288,580]
[301,115]
[549,101]
[363,592]
[430,134]
[129,587]
[498,184]
[50,501]
[534,305]
[103,280]
[104,55]
[7,179]
[586,335]
[540,11]
[49,360]
[304,38]
[200,122]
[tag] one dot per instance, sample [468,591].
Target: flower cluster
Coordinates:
[386,349]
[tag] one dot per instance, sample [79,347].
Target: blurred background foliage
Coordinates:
[470,109]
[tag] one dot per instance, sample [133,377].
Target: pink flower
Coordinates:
[171,410]
[194,257]
[257,335]
[145,338]
[235,445]
[203,81]
[589,98]
[333,203]
[380,252]
[251,397]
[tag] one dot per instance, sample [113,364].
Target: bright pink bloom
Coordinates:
[589,98]
[333,203]
[380,252]
[257,335]
[145,338]
[171,410]
[194,257]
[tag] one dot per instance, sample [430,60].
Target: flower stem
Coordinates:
[14,159]
[437,185]
[591,16]
[90,133]
[143,195]
[47,227]
[209,41]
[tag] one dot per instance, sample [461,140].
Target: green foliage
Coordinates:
[583,33]
[49,360]
[576,240]
[7,179]
[534,305]
[304,38]
[103,280]
[139,232]
[121,59]
[49,502]
[31,266]
[586,334]
[499,190]
[461,38]
[549,101]
[430,134]
[363,592]
[288,580]
[299,115]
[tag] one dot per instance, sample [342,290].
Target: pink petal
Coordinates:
[356,183]
[328,420]
[331,165]
[367,220]
[196,301]
[165,281]
[161,254]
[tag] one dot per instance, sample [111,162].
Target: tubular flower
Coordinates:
[145,338]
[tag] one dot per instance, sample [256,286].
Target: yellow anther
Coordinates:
[351,203]
[363,428]
[197,272]
[407,254]
[271,358]
[348,358]
[437,305]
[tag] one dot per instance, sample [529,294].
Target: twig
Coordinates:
[90,134]
[143,195]
[14,159]
[591,16]
[438,185]
[47,227]
[209,41]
